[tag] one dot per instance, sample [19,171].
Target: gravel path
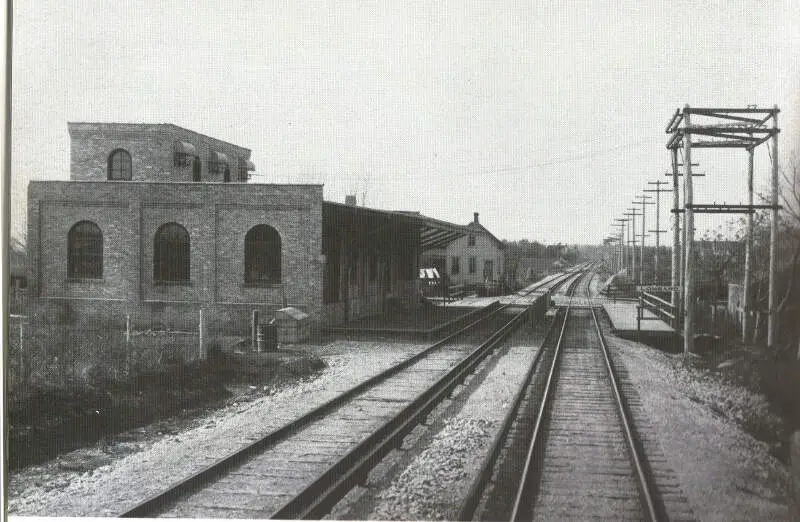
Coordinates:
[725,473]
[432,486]
[135,467]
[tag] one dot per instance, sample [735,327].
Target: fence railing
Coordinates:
[662,309]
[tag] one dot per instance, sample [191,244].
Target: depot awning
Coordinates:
[218,157]
[184,147]
[433,233]
[428,273]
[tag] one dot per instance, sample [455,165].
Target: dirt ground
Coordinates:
[52,421]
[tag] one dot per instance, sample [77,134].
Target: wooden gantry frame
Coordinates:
[744,128]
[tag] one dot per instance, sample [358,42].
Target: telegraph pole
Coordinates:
[632,214]
[772,323]
[657,231]
[730,128]
[621,223]
[748,247]
[643,201]
[689,294]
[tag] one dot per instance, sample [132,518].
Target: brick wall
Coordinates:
[151,147]
[216,216]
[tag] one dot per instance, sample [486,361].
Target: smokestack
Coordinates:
[350,199]
[476,217]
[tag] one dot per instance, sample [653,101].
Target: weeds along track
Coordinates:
[304,468]
[566,449]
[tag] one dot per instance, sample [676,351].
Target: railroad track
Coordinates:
[304,468]
[570,427]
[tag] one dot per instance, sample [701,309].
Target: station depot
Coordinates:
[158,229]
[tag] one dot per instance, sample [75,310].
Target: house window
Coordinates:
[471,240]
[488,270]
[473,264]
[119,165]
[85,251]
[262,256]
[171,254]
[454,265]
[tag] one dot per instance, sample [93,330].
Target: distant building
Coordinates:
[476,258]
[158,223]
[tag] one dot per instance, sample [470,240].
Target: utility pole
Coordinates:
[621,249]
[748,247]
[688,324]
[632,214]
[772,323]
[643,201]
[677,283]
[678,235]
[730,128]
[657,231]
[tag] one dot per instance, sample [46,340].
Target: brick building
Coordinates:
[158,222]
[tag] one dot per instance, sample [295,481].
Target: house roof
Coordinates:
[477,227]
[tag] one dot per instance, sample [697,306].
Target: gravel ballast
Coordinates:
[132,467]
[725,473]
[433,485]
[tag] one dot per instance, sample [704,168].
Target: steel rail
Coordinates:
[209,473]
[319,497]
[216,468]
[527,488]
[536,438]
[653,510]
[471,501]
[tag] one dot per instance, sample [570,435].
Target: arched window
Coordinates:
[262,255]
[171,254]
[85,251]
[196,169]
[119,165]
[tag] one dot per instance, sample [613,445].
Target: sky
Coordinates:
[547,118]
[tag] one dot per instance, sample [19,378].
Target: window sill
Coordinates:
[85,280]
[172,283]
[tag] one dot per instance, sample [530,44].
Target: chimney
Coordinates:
[476,217]
[350,199]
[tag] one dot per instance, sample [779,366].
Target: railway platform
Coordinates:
[426,320]
[622,315]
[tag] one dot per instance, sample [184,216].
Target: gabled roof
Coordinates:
[477,227]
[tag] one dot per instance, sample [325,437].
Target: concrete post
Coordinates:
[794,496]
[201,343]
[253,329]
[689,294]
